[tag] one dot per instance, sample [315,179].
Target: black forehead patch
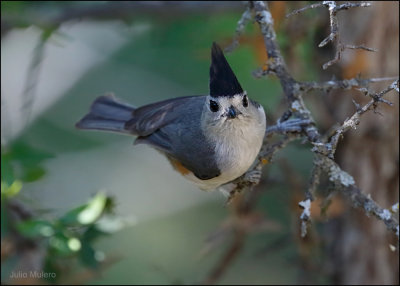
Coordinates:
[223,81]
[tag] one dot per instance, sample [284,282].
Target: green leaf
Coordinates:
[111,223]
[93,210]
[74,244]
[88,213]
[71,217]
[4,220]
[32,174]
[87,256]
[92,233]
[35,228]
[27,155]
[7,172]
[50,266]
[60,244]
[27,158]
[10,191]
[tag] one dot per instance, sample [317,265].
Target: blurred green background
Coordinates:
[53,68]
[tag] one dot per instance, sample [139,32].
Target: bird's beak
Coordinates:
[232,112]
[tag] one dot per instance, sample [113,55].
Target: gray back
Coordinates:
[173,127]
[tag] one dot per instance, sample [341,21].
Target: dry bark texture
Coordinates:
[370,153]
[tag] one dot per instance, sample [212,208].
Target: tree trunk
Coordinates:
[361,254]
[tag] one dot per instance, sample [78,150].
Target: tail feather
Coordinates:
[107,113]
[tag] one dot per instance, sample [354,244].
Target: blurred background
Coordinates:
[88,207]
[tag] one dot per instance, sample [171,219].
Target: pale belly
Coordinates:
[236,157]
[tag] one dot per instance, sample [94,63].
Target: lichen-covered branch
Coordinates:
[354,120]
[297,122]
[246,17]
[329,85]
[302,125]
[305,215]
[345,185]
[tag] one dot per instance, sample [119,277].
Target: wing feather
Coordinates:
[149,118]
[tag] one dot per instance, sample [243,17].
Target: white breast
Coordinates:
[239,147]
[238,143]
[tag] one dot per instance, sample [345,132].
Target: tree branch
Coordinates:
[323,146]
[298,123]
[246,17]
[327,86]
[334,36]
[113,10]
[227,258]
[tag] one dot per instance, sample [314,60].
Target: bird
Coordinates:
[210,139]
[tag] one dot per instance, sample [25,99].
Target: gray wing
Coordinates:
[147,119]
[173,127]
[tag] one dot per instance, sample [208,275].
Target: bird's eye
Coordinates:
[245,101]
[214,107]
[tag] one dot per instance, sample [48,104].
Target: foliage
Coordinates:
[62,241]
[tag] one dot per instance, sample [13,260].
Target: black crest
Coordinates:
[223,81]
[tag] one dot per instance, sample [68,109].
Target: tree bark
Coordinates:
[361,252]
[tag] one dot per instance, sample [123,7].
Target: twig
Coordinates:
[298,11]
[354,120]
[289,126]
[305,216]
[344,6]
[33,73]
[294,90]
[227,259]
[277,64]
[243,221]
[113,10]
[302,126]
[334,35]
[246,17]
[340,84]
[345,184]
[360,47]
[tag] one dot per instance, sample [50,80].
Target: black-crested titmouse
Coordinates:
[210,139]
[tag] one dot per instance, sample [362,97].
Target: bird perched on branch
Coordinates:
[210,139]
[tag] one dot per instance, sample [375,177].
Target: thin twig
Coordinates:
[360,47]
[112,10]
[294,90]
[32,77]
[334,36]
[302,126]
[341,84]
[227,259]
[298,11]
[246,17]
